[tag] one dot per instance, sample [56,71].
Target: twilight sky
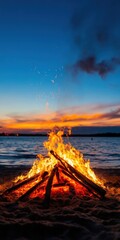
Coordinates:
[59,64]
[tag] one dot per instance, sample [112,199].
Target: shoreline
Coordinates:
[9,172]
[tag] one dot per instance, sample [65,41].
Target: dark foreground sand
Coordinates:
[67,218]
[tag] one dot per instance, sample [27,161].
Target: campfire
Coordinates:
[64,171]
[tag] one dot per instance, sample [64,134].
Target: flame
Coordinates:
[66,151]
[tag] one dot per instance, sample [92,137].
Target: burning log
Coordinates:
[32,189]
[48,187]
[91,186]
[57,175]
[70,175]
[20,184]
[56,185]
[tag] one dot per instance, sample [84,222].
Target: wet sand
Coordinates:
[79,218]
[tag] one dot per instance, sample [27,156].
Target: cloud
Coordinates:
[115,114]
[73,117]
[90,65]
[96,36]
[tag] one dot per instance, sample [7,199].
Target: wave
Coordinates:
[18,156]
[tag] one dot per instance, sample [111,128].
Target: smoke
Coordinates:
[96,36]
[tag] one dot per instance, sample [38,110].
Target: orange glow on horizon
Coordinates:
[57,119]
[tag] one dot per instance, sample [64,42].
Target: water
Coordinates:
[102,152]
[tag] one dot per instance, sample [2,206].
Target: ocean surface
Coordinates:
[103,152]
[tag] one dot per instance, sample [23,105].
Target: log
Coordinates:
[46,200]
[32,189]
[96,189]
[20,184]
[57,185]
[87,182]
[57,175]
[70,175]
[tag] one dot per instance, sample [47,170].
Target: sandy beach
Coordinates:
[67,217]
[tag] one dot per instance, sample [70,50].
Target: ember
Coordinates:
[64,171]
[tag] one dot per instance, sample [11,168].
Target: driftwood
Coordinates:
[91,186]
[32,189]
[20,184]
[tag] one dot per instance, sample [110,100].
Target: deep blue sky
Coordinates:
[58,55]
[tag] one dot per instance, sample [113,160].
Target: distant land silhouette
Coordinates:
[87,130]
[72,135]
[113,131]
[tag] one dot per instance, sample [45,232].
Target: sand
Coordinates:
[77,218]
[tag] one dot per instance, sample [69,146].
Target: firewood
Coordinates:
[87,182]
[57,175]
[32,189]
[48,187]
[20,184]
[69,174]
[57,185]
[96,189]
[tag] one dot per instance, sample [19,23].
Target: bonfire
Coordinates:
[64,171]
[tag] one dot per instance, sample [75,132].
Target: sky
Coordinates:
[59,64]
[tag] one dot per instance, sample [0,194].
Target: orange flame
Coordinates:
[66,151]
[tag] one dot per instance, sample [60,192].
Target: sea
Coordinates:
[103,152]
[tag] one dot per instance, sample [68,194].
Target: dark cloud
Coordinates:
[28,119]
[112,115]
[95,129]
[90,65]
[96,35]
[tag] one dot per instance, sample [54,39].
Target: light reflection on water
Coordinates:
[103,152]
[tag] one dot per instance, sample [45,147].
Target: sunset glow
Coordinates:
[44,122]
[59,67]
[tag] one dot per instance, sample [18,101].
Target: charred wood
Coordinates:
[20,184]
[69,174]
[48,187]
[99,191]
[32,189]
[57,175]
[80,182]
[56,185]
